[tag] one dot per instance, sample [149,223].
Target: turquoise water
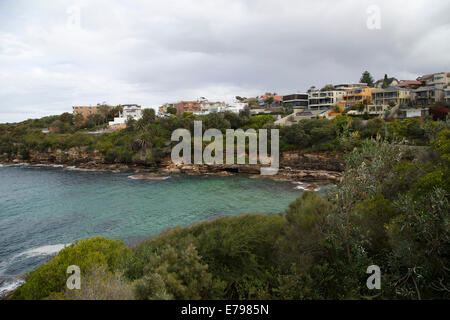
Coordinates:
[41,209]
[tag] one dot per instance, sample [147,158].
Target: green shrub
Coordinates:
[51,277]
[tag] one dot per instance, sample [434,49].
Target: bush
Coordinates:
[51,278]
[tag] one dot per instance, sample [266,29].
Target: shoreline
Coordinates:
[140,172]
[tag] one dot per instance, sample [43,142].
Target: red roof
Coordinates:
[276,98]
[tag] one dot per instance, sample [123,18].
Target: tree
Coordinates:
[327,87]
[172,110]
[367,78]
[148,115]
[386,82]
[269,100]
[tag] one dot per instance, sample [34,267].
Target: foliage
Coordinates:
[51,278]
[366,77]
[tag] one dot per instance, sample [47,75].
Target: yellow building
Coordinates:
[355,96]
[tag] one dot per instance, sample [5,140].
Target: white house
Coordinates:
[132,111]
[236,107]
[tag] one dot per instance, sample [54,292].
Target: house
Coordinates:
[86,111]
[428,95]
[296,100]
[129,111]
[270,100]
[411,113]
[236,106]
[324,100]
[355,96]
[409,84]
[393,96]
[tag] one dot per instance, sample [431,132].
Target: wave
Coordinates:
[10,284]
[49,165]
[46,250]
[140,177]
[306,187]
[22,164]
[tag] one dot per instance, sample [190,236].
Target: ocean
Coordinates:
[44,208]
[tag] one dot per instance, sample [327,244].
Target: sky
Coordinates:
[57,54]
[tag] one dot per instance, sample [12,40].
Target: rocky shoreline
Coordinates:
[321,168]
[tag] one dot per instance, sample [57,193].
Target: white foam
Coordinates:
[49,165]
[139,178]
[44,250]
[306,188]
[10,285]
[22,164]
[39,251]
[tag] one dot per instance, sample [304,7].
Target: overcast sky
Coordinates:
[56,54]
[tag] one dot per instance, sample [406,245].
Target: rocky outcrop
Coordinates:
[296,166]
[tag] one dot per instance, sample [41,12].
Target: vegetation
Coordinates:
[147,141]
[51,278]
[367,78]
[391,209]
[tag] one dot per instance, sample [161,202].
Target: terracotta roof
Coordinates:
[276,98]
[408,82]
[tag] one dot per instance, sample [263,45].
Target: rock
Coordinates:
[148,176]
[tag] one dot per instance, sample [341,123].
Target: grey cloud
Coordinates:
[151,52]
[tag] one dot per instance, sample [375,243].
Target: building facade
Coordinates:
[447,95]
[428,95]
[355,96]
[394,96]
[440,80]
[323,100]
[297,100]
[132,111]
[187,106]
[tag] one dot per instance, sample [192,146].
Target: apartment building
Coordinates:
[187,106]
[322,100]
[297,100]
[440,80]
[86,111]
[428,95]
[355,96]
[395,96]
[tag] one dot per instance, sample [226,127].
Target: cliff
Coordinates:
[294,165]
